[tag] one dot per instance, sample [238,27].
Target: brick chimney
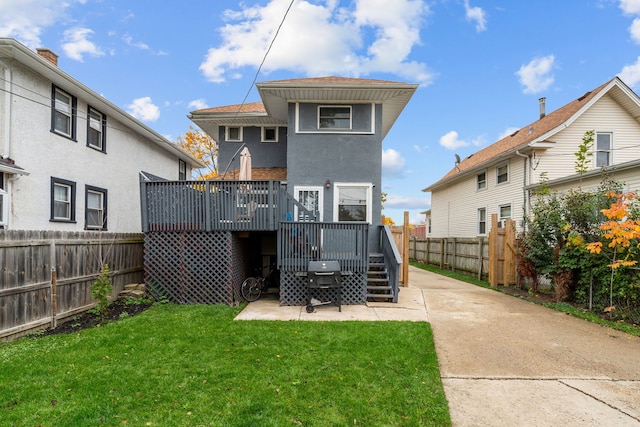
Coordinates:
[48,54]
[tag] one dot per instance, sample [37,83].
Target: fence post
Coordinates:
[54,298]
[480,258]
[443,243]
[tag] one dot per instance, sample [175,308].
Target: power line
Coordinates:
[264,58]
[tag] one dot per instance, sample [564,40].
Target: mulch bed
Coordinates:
[118,309]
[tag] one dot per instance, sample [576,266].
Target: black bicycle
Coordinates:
[253,287]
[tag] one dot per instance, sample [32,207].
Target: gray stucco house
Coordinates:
[314,192]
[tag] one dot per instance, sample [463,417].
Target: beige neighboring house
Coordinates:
[501,178]
[70,160]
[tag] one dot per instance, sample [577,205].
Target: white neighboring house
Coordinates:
[70,159]
[501,178]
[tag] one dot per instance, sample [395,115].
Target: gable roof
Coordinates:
[536,134]
[12,49]
[276,95]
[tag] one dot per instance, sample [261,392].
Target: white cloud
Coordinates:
[392,163]
[476,14]
[630,74]
[144,109]
[630,6]
[373,36]
[404,202]
[24,20]
[450,141]
[76,44]
[634,30]
[198,104]
[536,75]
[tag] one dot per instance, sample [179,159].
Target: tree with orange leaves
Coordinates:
[202,147]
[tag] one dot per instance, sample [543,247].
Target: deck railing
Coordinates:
[301,242]
[217,205]
[392,258]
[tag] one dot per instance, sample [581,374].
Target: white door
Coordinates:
[312,199]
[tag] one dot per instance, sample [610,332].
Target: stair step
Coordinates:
[377,280]
[380,296]
[379,288]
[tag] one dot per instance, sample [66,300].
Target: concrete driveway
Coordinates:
[508,362]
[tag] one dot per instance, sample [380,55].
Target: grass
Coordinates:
[560,306]
[195,366]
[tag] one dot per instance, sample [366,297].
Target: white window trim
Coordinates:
[4,218]
[501,219]
[485,181]
[508,173]
[369,193]
[296,194]
[486,223]
[102,209]
[595,148]
[240,134]
[263,130]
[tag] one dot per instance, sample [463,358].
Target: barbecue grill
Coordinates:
[324,280]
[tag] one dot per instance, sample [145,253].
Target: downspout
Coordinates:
[6,118]
[525,193]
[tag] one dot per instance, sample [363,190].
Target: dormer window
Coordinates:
[334,117]
[233,133]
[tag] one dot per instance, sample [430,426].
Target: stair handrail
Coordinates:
[392,259]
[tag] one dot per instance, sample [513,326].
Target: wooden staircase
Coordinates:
[378,286]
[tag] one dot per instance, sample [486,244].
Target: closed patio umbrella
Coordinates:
[245,165]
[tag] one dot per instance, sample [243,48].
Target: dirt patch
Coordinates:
[118,309]
[537,297]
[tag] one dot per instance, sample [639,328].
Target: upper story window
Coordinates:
[96,129]
[95,208]
[334,117]
[502,173]
[233,133]
[63,200]
[269,134]
[603,149]
[481,180]
[63,113]
[182,170]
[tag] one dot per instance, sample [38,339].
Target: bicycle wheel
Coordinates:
[251,289]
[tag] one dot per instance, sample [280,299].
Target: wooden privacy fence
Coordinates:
[491,259]
[465,255]
[46,276]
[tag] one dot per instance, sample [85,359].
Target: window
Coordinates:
[603,149]
[4,208]
[334,117]
[270,134]
[233,133]
[502,173]
[481,180]
[63,113]
[352,202]
[504,213]
[182,170]
[482,221]
[312,199]
[63,200]
[96,129]
[95,208]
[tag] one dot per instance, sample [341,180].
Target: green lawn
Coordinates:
[196,366]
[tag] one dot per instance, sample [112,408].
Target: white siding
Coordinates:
[45,154]
[454,209]
[604,116]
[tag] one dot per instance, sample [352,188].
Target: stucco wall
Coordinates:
[46,154]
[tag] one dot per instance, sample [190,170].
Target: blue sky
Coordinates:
[481,64]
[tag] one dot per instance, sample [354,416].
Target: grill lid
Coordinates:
[323,266]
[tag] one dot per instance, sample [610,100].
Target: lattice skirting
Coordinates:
[293,289]
[194,267]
